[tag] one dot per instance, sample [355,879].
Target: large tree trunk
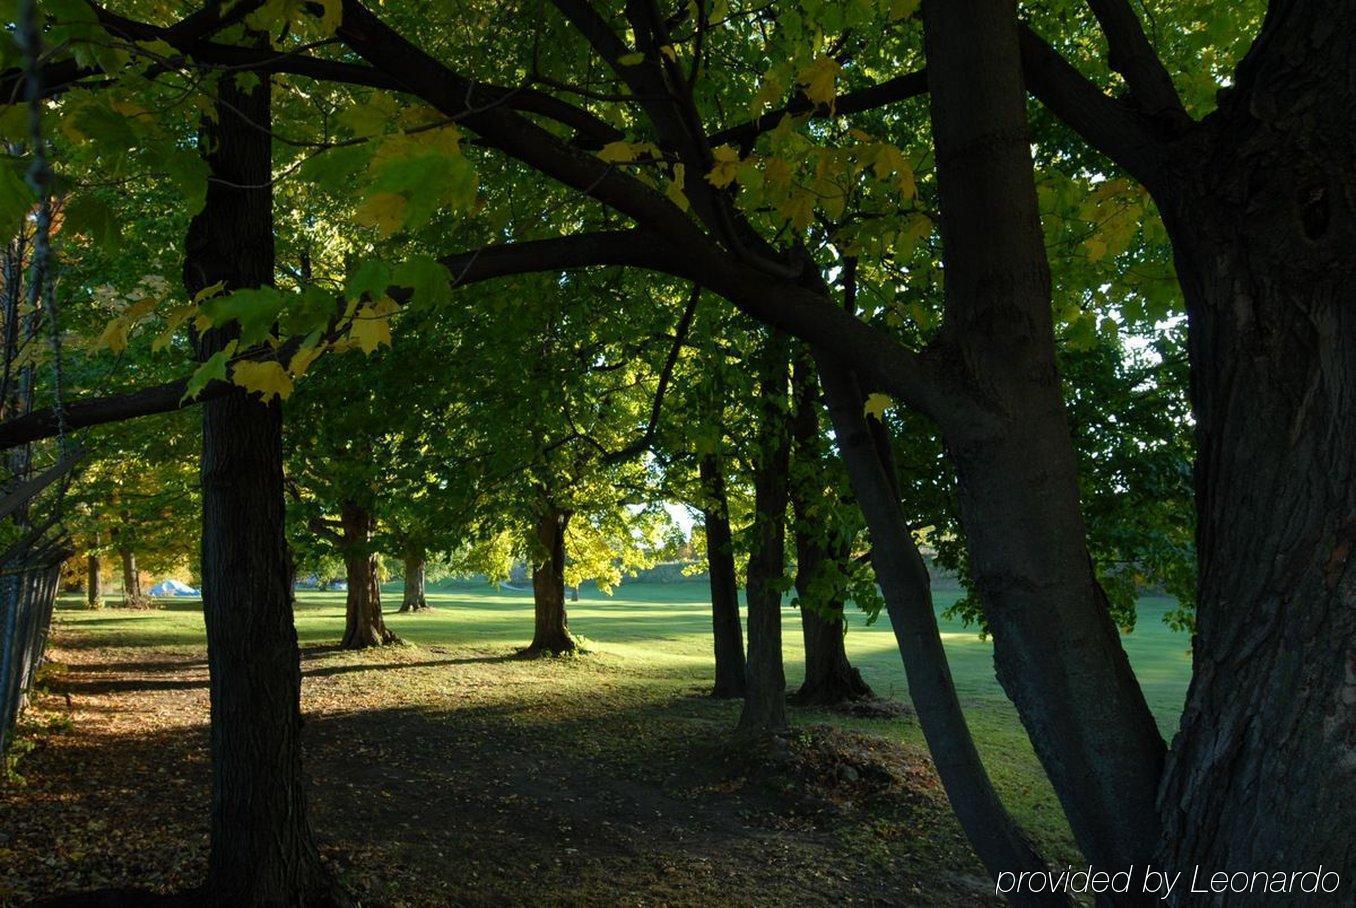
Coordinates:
[764,709]
[551,630]
[94,583]
[262,851]
[363,622]
[1057,651]
[1263,770]
[904,582]
[132,596]
[829,677]
[726,628]
[414,598]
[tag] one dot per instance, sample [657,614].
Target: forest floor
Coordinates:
[444,771]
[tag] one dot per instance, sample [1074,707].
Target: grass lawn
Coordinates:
[515,759]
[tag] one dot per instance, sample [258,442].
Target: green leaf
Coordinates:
[90,216]
[371,277]
[255,309]
[212,369]
[429,281]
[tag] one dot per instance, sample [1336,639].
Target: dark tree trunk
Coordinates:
[363,622]
[551,631]
[94,584]
[414,598]
[1263,770]
[262,851]
[132,596]
[726,628]
[820,555]
[764,709]
[903,578]
[1057,651]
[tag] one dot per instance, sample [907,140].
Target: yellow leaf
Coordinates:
[267,378]
[618,152]
[1095,247]
[876,405]
[820,80]
[674,191]
[726,167]
[209,291]
[114,336]
[303,358]
[173,322]
[370,329]
[385,211]
[798,208]
[903,9]
[332,15]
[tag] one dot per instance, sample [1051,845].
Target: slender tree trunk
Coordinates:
[131,581]
[551,630]
[414,598]
[765,683]
[727,630]
[363,622]
[94,585]
[829,677]
[1057,651]
[1263,770]
[262,850]
[904,581]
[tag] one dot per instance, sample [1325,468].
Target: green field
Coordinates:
[653,640]
[668,624]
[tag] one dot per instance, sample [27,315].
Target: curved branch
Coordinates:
[1131,55]
[1108,125]
[618,247]
[665,375]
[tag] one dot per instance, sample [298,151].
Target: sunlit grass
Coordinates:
[650,646]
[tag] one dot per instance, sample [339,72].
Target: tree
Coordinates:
[764,709]
[825,568]
[1248,193]
[262,850]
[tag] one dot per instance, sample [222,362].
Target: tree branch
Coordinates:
[1120,133]
[617,247]
[665,374]
[1131,55]
[900,88]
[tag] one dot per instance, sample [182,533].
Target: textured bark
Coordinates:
[1262,213]
[904,582]
[727,630]
[132,596]
[829,677]
[94,582]
[414,598]
[1056,649]
[764,709]
[551,630]
[262,851]
[363,622]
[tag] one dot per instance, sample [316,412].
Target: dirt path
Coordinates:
[461,777]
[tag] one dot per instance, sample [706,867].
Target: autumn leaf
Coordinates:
[726,167]
[385,211]
[674,191]
[819,80]
[115,335]
[619,152]
[876,405]
[371,326]
[265,377]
